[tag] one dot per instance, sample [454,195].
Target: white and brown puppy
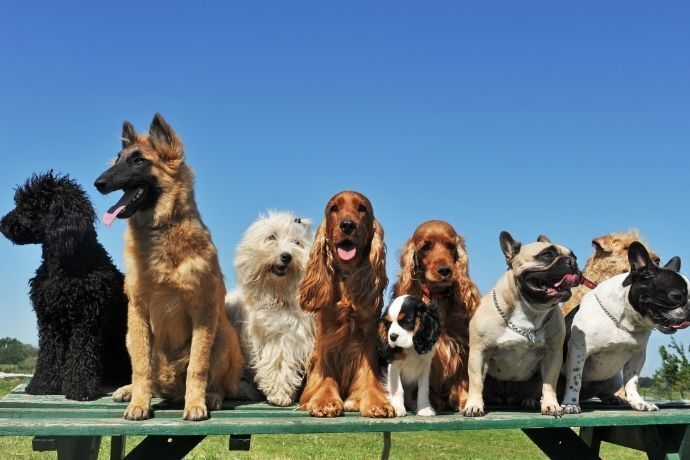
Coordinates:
[277,336]
[609,332]
[408,331]
[517,333]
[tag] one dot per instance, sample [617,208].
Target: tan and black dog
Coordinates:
[180,341]
[517,333]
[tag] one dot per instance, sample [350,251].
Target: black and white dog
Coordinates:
[610,331]
[408,330]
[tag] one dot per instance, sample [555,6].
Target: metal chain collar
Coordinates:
[530,334]
[615,321]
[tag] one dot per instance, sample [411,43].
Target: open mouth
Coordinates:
[554,287]
[279,270]
[346,250]
[127,205]
[672,327]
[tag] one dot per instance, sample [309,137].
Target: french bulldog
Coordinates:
[610,331]
[517,333]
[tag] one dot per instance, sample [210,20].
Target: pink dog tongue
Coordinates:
[347,254]
[118,207]
[682,325]
[568,281]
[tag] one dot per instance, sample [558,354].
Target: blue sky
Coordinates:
[534,117]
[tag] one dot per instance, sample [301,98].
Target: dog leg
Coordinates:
[478,366]
[373,401]
[123,394]
[326,401]
[458,390]
[50,361]
[550,368]
[631,375]
[204,328]
[423,404]
[574,365]
[83,363]
[395,388]
[139,347]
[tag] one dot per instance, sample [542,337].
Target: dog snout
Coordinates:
[394,337]
[286,258]
[444,270]
[347,226]
[101,184]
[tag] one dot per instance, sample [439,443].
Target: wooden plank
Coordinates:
[240,442]
[167,447]
[561,443]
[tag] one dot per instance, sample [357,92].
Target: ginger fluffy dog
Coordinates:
[344,284]
[277,336]
[434,266]
[181,344]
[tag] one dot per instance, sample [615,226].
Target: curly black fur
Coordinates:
[429,329]
[77,292]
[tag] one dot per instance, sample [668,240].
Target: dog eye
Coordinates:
[271,238]
[361,208]
[297,243]
[548,255]
[334,208]
[138,160]
[426,247]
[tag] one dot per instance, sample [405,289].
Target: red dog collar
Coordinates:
[428,296]
[588,283]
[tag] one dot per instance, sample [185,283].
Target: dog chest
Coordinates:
[607,360]
[514,357]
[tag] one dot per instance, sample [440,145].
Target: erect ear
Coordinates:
[166,142]
[639,257]
[161,130]
[129,136]
[509,246]
[603,244]
[543,239]
[673,264]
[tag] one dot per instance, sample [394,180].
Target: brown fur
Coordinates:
[348,298]
[610,258]
[180,341]
[435,244]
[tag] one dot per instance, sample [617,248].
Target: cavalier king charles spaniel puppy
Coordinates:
[344,284]
[434,266]
[408,331]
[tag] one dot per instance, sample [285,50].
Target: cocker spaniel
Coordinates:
[344,284]
[434,266]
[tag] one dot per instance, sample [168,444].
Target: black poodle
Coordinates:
[77,292]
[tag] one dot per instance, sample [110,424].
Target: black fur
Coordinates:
[429,329]
[77,292]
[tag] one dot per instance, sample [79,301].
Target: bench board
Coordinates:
[27,415]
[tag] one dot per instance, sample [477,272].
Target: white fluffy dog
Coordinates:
[277,336]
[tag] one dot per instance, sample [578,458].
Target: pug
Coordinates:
[610,331]
[517,333]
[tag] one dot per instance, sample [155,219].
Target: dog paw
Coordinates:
[195,412]
[473,409]
[426,412]
[571,408]
[137,412]
[351,405]
[382,410]
[530,404]
[123,394]
[214,401]
[400,410]
[327,409]
[279,400]
[644,406]
[551,408]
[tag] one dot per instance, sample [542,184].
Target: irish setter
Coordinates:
[434,265]
[344,284]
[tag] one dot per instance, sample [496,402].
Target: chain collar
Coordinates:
[618,324]
[529,334]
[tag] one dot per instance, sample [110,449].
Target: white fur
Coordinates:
[598,350]
[409,371]
[277,337]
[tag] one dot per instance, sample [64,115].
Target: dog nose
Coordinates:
[444,271]
[394,337]
[101,184]
[285,258]
[347,226]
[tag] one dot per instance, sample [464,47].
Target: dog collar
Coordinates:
[428,296]
[618,324]
[588,283]
[529,334]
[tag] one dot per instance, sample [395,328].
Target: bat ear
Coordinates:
[543,239]
[673,264]
[509,246]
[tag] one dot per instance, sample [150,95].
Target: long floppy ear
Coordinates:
[427,331]
[467,292]
[166,142]
[408,272]
[377,259]
[129,136]
[71,218]
[382,344]
[316,289]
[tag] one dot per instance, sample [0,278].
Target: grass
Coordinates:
[484,444]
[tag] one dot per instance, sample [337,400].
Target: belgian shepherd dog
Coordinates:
[180,341]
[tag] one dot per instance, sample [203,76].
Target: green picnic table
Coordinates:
[74,429]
